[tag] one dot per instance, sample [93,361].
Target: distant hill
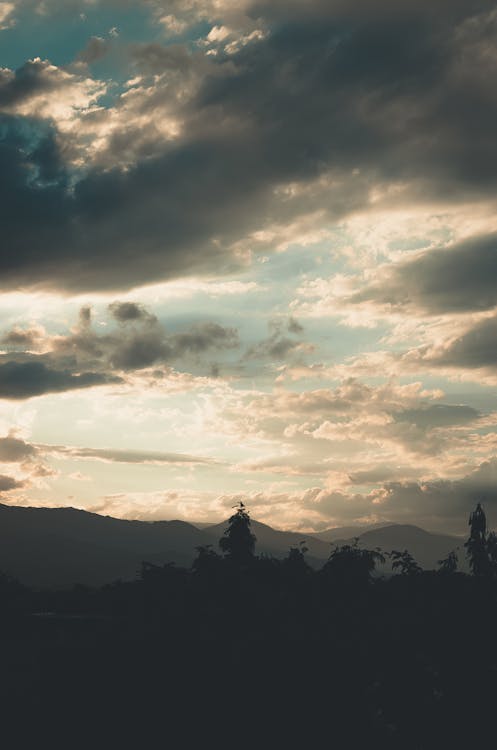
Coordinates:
[50,547]
[426,548]
[346,532]
[63,546]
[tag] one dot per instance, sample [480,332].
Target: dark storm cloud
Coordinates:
[441,281]
[343,89]
[21,380]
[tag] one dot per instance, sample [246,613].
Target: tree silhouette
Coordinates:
[351,565]
[404,562]
[207,562]
[492,552]
[476,544]
[448,564]
[478,523]
[238,542]
[295,564]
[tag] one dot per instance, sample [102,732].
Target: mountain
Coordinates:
[426,548]
[63,546]
[51,547]
[346,532]
[55,547]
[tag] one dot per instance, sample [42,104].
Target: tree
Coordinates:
[476,545]
[351,565]
[492,551]
[238,542]
[448,565]
[404,562]
[295,564]
[208,562]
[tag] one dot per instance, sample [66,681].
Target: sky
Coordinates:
[249,252]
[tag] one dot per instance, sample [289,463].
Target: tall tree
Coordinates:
[238,542]
[476,544]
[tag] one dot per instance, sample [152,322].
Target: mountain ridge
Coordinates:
[57,547]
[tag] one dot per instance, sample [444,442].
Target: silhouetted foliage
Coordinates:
[404,562]
[351,565]
[238,542]
[207,562]
[295,565]
[478,523]
[492,552]
[448,564]
[476,545]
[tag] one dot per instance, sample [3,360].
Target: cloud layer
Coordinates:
[354,99]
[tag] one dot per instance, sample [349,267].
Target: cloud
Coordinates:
[438,415]
[438,505]
[124,312]
[443,502]
[33,377]
[339,432]
[458,279]
[23,338]
[96,48]
[112,455]
[84,358]
[476,348]
[41,90]
[14,450]
[6,11]
[9,483]
[203,152]
[279,346]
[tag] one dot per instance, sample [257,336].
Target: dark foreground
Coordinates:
[265,655]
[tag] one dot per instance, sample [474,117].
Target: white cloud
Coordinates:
[6,15]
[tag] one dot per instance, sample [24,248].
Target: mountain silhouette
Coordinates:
[426,548]
[63,546]
[57,547]
[347,532]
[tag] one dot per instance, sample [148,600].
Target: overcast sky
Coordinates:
[249,251]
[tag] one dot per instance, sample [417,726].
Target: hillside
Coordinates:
[63,546]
